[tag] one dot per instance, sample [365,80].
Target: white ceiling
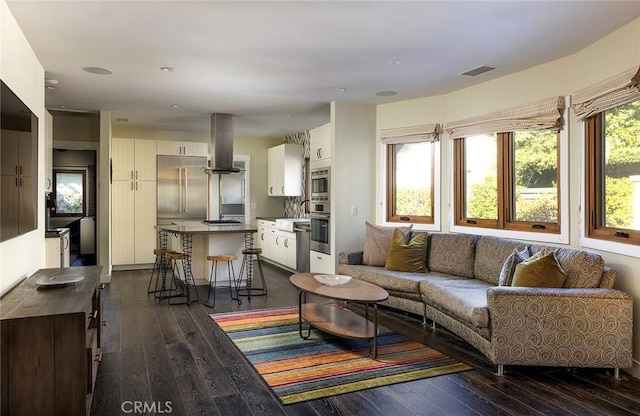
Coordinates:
[276,65]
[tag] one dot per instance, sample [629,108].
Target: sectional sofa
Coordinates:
[584,323]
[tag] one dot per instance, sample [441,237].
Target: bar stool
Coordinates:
[229,258]
[247,268]
[159,268]
[188,281]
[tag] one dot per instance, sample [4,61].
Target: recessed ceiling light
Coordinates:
[50,81]
[166,69]
[97,70]
[339,89]
[386,93]
[176,105]
[394,62]
[50,87]
[287,115]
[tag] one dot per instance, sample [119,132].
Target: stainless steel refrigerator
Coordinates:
[182,189]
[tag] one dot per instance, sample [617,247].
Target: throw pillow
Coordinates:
[541,271]
[408,256]
[509,266]
[377,242]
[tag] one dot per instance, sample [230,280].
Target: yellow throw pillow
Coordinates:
[408,256]
[539,271]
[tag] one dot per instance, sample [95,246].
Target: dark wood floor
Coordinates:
[156,353]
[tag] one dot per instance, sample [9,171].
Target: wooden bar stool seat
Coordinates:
[213,277]
[159,269]
[247,269]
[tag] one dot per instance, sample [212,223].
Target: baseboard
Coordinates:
[635,369]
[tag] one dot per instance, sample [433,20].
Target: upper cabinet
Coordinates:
[171,147]
[320,143]
[133,159]
[284,170]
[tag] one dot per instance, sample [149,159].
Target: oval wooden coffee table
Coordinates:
[338,319]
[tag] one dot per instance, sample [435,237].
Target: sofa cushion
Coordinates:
[466,299]
[491,254]
[539,271]
[451,253]
[376,243]
[386,279]
[407,256]
[583,268]
[509,266]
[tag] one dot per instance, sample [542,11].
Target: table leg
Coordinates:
[375,330]
[302,298]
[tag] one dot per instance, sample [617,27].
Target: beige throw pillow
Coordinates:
[539,271]
[408,256]
[509,266]
[377,242]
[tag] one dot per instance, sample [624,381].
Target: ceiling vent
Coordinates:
[474,72]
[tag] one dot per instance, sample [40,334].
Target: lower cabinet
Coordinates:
[50,345]
[277,246]
[57,250]
[322,263]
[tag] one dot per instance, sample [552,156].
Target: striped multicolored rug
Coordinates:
[324,365]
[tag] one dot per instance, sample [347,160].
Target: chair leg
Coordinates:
[232,281]
[155,270]
[264,284]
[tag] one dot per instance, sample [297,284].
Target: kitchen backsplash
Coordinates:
[292,205]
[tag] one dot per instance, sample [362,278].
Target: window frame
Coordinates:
[505,164]
[594,142]
[81,172]
[420,222]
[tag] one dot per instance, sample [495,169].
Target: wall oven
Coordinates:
[320,233]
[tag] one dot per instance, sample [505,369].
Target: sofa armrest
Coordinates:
[350,257]
[561,327]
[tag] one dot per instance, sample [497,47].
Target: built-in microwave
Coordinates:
[320,190]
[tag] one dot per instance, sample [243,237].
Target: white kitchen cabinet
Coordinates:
[320,143]
[285,248]
[133,201]
[284,170]
[266,238]
[58,250]
[322,263]
[232,188]
[133,220]
[180,148]
[133,159]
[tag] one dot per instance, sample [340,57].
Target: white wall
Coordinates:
[21,71]
[615,53]
[352,174]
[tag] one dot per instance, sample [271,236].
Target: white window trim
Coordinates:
[436,191]
[563,236]
[615,247]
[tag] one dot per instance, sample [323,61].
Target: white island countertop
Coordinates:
[200,228]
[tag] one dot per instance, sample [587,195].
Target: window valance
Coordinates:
[545,114]
[607,94]
[411,134]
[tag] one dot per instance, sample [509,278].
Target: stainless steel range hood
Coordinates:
[221,145]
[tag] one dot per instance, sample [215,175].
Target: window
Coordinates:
[70,193]
[613,174]
[410,178]
[508,180]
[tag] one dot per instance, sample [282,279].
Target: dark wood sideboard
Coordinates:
[50,345]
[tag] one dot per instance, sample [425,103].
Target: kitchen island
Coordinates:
[218,239]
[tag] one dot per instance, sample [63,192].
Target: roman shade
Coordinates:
[544,114]
[411,134]
[607,94]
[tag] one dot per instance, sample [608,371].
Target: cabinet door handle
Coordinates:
[21,182]
[132,186]
[136,186]
[17,183]
[20,169]
[271,189]
[277,240]
[285,242]
[131,174]
[66,243]
[48,183]
[16,169]
[283,190]
[136,174]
